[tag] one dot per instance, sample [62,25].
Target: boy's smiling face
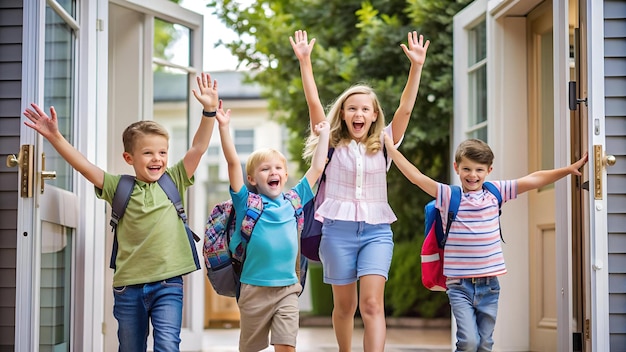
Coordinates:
[472,174]
[269,177]
[149,157]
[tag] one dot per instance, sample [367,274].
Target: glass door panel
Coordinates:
[59,210]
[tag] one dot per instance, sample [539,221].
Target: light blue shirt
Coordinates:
[273,248]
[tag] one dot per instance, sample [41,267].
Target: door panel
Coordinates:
[543,312]
[59,219]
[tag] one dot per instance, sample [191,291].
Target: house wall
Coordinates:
[10,106]
[615,122]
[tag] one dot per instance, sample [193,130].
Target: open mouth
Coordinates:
[273,183]
[358,125]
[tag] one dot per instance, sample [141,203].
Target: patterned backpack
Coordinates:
[223,267]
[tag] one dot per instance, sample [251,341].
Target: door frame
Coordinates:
[598,251]
[130,98]
[27,299]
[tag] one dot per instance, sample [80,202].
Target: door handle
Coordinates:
[600,160]
[25,160]
[46,175]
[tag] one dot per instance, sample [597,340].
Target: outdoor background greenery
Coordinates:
[359,42]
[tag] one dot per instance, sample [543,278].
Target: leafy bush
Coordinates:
[405,296]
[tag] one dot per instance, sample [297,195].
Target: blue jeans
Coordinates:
[474,303]
[135,305]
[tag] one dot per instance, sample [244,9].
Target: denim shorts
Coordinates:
[351,249]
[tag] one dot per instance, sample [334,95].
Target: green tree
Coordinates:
[356,41]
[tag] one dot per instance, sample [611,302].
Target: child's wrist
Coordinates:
[209,113]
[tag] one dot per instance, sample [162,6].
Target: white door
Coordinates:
[47,211]
[154,55]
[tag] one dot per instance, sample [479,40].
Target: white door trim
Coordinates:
[599,273]
[27,259]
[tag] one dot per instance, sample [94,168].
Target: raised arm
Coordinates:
[409,170]
[416,52]
[208,96]
[235,175]
[48,127]
[542,178]
[318,161]
[303,48]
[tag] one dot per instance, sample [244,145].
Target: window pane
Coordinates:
[477,82]
[59,91]
[477,96]
[172,42]
[244,141]
[480,133]
[69,6]
[171,108]
[478,43]
[55,290]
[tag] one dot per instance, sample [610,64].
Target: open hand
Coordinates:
[207,93]
[40,122]
[301,46]
[577,165]
[223,118]
[416,51]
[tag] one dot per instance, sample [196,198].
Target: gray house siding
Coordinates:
[10,106]
[615,110]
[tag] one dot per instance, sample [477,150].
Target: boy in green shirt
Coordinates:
[153,248]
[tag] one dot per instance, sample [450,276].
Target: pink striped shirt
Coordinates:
[473,248]
[356,186]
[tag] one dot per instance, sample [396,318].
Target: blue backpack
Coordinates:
[223,267]
[120,201]
[435,241]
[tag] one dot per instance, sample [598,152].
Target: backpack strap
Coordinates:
[118,208]
[328,157]
[302,263]
[170,189]
[491,188]
[296,202]
[253,213]
[453,209]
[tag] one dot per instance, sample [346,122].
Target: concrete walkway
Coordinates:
[411,336]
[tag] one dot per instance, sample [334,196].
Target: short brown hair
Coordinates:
[474,150]
[141,128]
[261,155]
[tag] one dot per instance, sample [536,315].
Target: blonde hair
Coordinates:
[140,129]
[261,155]
[339,133]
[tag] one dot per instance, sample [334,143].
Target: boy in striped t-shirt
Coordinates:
[473,254]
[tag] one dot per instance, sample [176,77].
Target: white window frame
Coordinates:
[464,21]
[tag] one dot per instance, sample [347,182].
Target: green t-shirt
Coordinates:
[152,241]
